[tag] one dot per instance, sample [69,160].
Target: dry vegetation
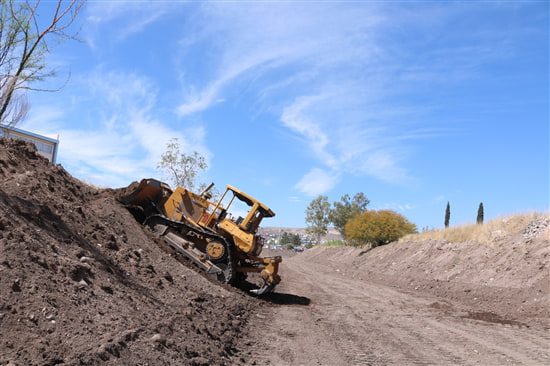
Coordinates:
[486,233]
[377,227]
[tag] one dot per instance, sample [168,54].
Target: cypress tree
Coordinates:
[447,215]
[480,214]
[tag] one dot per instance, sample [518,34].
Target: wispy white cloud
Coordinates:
[403,207]
[294,199]
[42,118]
[341,77]
[131,18]
[316,182]
[324,70]
[121,139]
[196,101]
[337,75]
[294,118]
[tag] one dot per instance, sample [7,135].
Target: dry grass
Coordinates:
[489,231]
[334,244]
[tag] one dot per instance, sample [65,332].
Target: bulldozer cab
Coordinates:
[248,221]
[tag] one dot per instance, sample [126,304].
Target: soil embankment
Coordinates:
[507,274]
[82,283]
[430,302]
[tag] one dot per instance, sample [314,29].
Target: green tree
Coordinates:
[296,240]
[24,38]
[378,227]
[181,168]
[285,238]
[342,211]
[480,214]
[317,219]
[290,241]
[447,215]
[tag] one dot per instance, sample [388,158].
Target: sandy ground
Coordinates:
[320,317]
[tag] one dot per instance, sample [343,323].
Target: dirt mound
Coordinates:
[82,283]
[507,276]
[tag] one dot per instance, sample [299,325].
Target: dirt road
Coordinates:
[320,317]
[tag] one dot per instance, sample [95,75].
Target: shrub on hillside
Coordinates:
[378,228]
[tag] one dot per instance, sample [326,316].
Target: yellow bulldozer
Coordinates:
[221,242]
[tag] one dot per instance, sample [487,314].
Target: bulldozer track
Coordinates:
[180,226]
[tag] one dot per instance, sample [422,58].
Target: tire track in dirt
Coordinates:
[356,322]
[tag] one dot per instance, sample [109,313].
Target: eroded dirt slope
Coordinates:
[411,303]
[82,283]
[508,275]
[320,317]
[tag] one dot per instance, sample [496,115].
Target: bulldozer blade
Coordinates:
[265,289]
[146,199]
[148,190]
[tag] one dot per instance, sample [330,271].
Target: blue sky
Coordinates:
[413,103]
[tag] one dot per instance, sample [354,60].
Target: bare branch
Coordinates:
[18,109]
[23,47]
[182,168]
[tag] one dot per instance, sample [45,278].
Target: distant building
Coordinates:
[47,147]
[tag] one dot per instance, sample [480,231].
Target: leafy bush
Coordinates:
[378,227]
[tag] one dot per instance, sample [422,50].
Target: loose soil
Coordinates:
[81,282]
[412,303]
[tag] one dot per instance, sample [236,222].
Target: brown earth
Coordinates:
[412,303]
[82,283]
